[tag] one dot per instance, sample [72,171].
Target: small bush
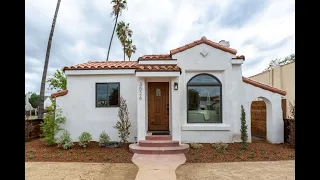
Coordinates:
[103,139]
[84,139]
[65,140]
[28,128]
[196,146]
[220,147]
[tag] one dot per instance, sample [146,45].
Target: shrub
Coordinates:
[84,139]
[65,140]
[28,128]
[51,124]
[103,139]
[243,130]
[123,125]
[291,127]
[220,146]
[196,146]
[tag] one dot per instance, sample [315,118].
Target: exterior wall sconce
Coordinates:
[175,86]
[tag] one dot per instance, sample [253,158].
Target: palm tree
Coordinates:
[123,32]
[118,6]
[46,62]
[130,48]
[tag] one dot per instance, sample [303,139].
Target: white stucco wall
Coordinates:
[217,63]
[80,109]
[82,115]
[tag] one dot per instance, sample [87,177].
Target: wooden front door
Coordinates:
[158,106]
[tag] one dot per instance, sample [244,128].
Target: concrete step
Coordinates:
[159,137]
[158,143]
[135,148]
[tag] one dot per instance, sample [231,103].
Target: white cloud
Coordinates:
[84,28]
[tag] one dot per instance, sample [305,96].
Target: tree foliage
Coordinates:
[243,130]
[58,81]
[279,62]
[34,100]
[51,124]
[123,124]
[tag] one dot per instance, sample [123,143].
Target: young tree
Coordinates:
[279,62]
[46,62]
[243,130]
[123,125]
[118,6]
[58,81]
[34,100]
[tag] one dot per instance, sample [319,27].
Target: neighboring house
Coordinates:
[167,93]
[27,104]
[47,102]
[281,77]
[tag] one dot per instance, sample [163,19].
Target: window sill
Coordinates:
[205,127]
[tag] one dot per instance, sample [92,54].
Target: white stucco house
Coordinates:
[194,93]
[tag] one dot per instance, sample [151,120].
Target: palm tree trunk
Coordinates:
[124,54]
[115,24]
[46,62]
[129,58]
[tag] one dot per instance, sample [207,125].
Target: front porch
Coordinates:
[158,104]
[158,123]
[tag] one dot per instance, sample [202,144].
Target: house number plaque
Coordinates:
[140,91]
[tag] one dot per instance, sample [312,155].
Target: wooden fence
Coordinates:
[35,131]
[259,121]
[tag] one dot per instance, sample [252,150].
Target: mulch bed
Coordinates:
[256,151]
[37,151]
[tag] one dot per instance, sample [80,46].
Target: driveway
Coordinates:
[275,170]
[75,171]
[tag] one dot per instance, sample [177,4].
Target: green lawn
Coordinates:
[31,117]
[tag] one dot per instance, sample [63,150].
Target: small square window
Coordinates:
[107,94]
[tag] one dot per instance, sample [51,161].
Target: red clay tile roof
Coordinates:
[240,57]
[155,67]
[203,40]
[156,57]
[60,93]
[94,65]
[264,86]
[122,65]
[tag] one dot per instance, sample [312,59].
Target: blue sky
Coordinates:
[259,29]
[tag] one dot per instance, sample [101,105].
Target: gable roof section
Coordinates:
[264,86]
[205,41]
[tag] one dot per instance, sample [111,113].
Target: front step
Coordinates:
[159,137]
[158,143]
[183,148]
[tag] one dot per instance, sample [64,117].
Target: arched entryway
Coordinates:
[259,110]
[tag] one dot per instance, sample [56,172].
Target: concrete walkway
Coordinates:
[266,170]
[78,171]
[157,166]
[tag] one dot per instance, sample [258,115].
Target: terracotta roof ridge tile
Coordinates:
[59,93]
[264,86]
[206,41]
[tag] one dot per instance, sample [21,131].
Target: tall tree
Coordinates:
[130,48]
[279,62]
[46,62]
[118,6]
[58,81]
[123,32]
